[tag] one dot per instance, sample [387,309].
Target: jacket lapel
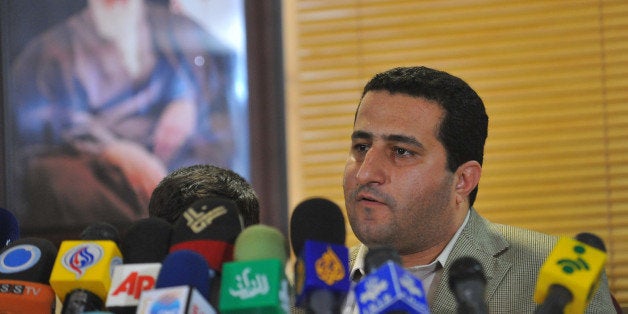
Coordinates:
[479,241]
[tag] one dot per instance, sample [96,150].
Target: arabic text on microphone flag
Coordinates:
[255,284]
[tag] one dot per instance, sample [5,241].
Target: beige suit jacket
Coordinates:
[511,258]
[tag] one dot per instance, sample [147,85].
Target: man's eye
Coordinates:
[360,147]
[401,151]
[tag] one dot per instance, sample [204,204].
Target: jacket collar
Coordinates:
[480,241]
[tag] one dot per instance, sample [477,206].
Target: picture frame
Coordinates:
[260,135]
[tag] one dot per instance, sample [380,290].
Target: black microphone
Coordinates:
[144,247]
[378,256]
[146,241]
[468,284]
[591,240]
[100,231]
[317,234]
[25,267]
[209,227]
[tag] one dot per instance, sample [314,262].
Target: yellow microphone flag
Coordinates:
[85,265]
[575,266]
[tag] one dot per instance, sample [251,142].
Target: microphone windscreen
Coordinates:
[316,219]
[465,268]
[28,259]
[101,231]
[468,284]
[255,282]
[146,241]
[592,240]
[379,255]
[9,227]
[259,242]
[185,268]
[208,227]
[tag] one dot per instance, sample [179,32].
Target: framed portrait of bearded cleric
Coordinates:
[103,98]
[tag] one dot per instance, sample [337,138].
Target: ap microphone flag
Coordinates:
[573,267]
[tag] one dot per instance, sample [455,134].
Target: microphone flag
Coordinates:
[321,266]
[256,286]
[391,288]
[574,265]
[183,299]
[85,264]
[255,282]
[128,283]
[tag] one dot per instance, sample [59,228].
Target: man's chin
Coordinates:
[371,240]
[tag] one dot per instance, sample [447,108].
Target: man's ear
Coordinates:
[467,177]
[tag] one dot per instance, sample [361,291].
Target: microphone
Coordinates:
[317,233]
[255,282]
[388,287]
[570,275]
[182,286]
[144,247]
[9,228]
[25,266]
[146,241]
[101,231]
[468,284]
[81,275]
[208,227]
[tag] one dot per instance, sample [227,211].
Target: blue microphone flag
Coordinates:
[321,266]
[391,288]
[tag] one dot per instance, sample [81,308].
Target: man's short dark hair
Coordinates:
[182,187]
[464,127]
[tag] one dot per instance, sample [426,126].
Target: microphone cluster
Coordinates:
[207,262]
[156,267]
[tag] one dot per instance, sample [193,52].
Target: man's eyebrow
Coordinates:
[361,135]
[397,138]
[403,139]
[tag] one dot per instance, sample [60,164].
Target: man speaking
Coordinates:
[410,182]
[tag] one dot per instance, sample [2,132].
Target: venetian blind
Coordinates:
[553,76]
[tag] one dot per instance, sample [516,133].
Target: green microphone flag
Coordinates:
[256,286]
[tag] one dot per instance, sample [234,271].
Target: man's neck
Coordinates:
[427,256]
